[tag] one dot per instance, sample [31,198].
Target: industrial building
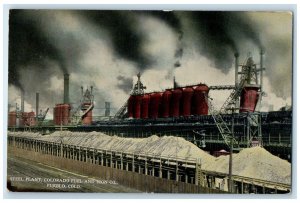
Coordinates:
[182,111]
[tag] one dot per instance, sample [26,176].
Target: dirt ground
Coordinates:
[28,176]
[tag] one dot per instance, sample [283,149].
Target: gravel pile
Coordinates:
[253,162]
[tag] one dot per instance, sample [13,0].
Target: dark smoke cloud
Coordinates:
[171,19]
[219,35]
[125,83]
[33,48]
[27,46]
[121,25]
[179,52]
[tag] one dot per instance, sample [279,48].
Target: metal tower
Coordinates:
[86,105]
[138,89]
[249,77]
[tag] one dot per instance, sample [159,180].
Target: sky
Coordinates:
[106,50]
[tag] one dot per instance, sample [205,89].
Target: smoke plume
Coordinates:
[106,49]
[220,34]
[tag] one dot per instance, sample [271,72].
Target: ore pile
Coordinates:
[253,162]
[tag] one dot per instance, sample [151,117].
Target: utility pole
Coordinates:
[230,181]
[230,156]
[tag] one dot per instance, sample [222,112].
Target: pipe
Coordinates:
[66,88]
[107,109]
[37,102]
[22,100]
[236,55]
[174,83]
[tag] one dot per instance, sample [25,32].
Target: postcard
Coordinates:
[155,101]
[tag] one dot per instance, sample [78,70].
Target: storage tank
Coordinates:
[200,99]
[54,114]
[88,117]
[176,102]
[187,101]
[166,104]
[137,106]
[145,106]
[155,104]
[62,114]
[12,119]
[249,98]
[57,114]
[65,108]
[130,106]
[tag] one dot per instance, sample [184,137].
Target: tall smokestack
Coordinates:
[236,55]
[107,108]
[22,100]
[66,88]
[37,102]
[262,52]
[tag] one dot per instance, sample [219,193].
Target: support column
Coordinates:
[153,169]
[111,161]
[242,187]
[61,150]
[197,172]
[106,161]
[177,172]
[133,166]
[160,168]
[121,161]
[168,174]
[86,156]
[213,182]
[146,166]
[79,154]
[127,165]
[94,158]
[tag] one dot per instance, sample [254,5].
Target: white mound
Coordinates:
[253,162]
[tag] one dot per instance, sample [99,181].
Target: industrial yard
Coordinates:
[116,130]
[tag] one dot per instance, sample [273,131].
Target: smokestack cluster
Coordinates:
[196,37]
[66,88]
